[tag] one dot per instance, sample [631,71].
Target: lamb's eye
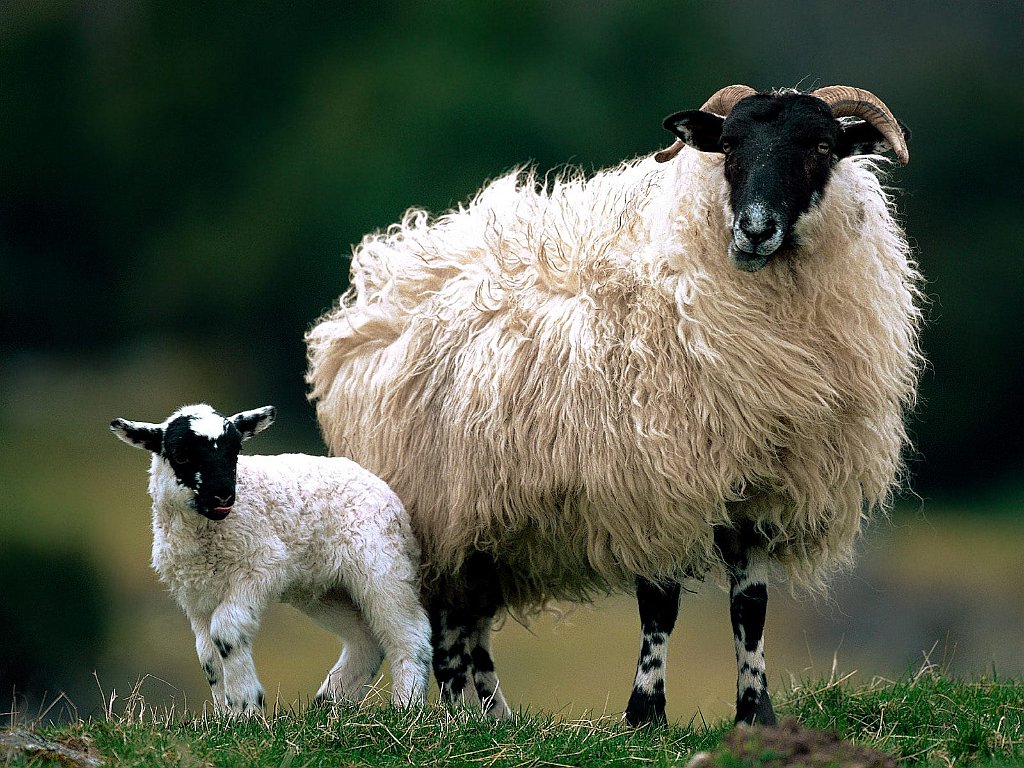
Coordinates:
[179,460]
[726,147]
[824,148]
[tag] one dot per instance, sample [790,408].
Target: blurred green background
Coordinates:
[180,184]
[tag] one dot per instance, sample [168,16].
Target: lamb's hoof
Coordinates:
[327,700]
[245,706]
[331,699]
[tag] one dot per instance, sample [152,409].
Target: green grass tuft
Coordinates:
[924,718]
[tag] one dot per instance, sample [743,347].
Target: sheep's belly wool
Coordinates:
[576,380]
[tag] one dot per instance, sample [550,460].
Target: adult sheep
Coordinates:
[616,383]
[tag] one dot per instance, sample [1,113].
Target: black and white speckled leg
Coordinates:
[461,619]
[485,679]
[749,568]
[659,606]
[452,662]
[209,659]
[233,627]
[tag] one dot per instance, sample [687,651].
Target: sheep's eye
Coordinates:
[179,460]
[726,147]
[824,148]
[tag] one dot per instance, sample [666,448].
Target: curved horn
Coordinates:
[720,103]
[666,154]
[846,101]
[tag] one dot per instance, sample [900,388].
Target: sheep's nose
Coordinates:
[225,501]
[757,229]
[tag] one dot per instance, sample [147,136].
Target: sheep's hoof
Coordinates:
[645,709]
[756,712]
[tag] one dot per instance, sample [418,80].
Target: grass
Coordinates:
[922,719]
[925,719]
[371,734]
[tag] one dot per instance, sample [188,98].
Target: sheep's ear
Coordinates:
[251,422]
[138,433]
[862,138]
[700,130]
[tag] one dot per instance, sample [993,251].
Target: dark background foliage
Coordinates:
[188,170]
[180,183]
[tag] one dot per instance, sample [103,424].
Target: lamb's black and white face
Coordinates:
[779,150]
[201,448]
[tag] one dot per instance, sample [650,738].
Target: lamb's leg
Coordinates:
[232,630]
[361,654]
[209,659]
[400,624]
[659,606]
[749,567]
[492,701]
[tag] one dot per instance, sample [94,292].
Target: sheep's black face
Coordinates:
[779,150]
[779,154]
[201,447]
[203,452]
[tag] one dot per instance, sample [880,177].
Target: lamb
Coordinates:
[695,363]
[320,533]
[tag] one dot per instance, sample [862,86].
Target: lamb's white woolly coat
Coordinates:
[301,527]
[575,379]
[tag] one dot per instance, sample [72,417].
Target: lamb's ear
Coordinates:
[700,130]
[138,433]
[862,138]
[256,420]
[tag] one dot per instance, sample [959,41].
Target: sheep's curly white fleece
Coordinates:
[572,376]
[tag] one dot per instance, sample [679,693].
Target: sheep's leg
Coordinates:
[462,661]
[361,654]
[461,621]
[659,606]
[232,630]
[452,659]
[485,680]
[209,659]
[749,567]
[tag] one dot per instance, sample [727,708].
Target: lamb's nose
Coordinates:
[225,501]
